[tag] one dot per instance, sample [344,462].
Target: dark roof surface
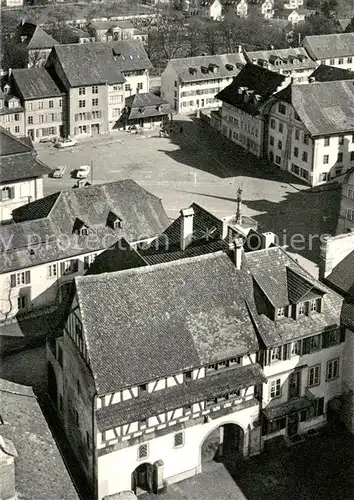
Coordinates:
[146,323]
[37,38]
[342,276]
[329,46]
[35,83]
[175,397]
[21,166]
[141,212]
[39,467]
[294,58]
[324,73]
[257,81]
[95,63]
[119,257]
[146,104]
[10,145]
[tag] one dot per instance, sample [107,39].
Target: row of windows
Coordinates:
[69,266]
[339,158]
[203,82]
[50,117]
[300,171]
[192,93]
[316,410]
[341,60]
[33,106]
[94,90]
[313,377]
[12,117]
[243,125]
[89,115]
[7,193]
[187,104]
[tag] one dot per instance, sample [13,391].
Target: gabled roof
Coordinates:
[329,46]
[325,108]
[37,477]
[324,73]
[271,268]
[189,69]
[119,257]
[146,323]
[11,145]
[21,166]
[294,58]
[142,214]
[87,64]
[257,81]
[342,276]
[146,104]
[37,38]
[35,83]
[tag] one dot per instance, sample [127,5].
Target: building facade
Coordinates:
[334,50]
[267,9]
[12,115]
[191,83]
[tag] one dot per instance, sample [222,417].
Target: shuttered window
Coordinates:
[22,278]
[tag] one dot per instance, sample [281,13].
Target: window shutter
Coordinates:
[75,263]
[62,268]
[342,334]
[306,346]
[325,339]
[13,280]
[12,193]
[27,277]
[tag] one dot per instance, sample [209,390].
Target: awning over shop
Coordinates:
[293,406]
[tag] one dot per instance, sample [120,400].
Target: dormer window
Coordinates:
[301,309]
[80,228]
[313,305]
[113,221]
[281,312]
[275,354]
[23,39]
[143,388]
[141,110]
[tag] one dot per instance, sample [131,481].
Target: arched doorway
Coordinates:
[52,384]
[143,479]
[225,443]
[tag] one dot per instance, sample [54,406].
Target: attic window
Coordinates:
[204,70]
[113,221]
[229,67]
[141,110]
[159,107]
[80,228]
[23,39]
[281,312]
[192,71]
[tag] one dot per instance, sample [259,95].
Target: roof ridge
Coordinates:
[151,268]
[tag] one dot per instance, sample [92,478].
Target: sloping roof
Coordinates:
[146,323]
[325,108]
[39,467]
[37,38]
[290,58]
[88,64]
[35,83]
[119,257]
[175,397]
[324,73]
[11,145]
[270,270]
[329,46]
[141,212]
[189,69]
[255,80]
[21,166]
[342,276]
[145,105]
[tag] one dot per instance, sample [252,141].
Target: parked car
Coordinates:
[65,143]
[59,172]
[83,172]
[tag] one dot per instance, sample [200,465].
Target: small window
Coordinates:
[281,312]
[82,91]
[52,271]
[140,86]
[327,141]
[296,348]
[275,354]
[333,369]
[304,156]
[94,102]
[297,135]
[127,87]
[341,140]
[95,89]
[340,158]
[281,128]
[17,129]
[350,60]
[143,451]
[340,60]
[306,139]
[325,159]
[271,140]
[278,160]
[40,105]
[331,62]
[350,214]
[313,305]
[275,388]
[296,152]
[22,302]
[82,103]
[301,309]
[30,120]
[178,440]
[280,145]
[51,104]
[272,123]
[315,343]
[282,108]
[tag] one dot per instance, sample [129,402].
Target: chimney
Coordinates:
[238,245]
[187,215]
[268,239]
[225,227]
[7,469]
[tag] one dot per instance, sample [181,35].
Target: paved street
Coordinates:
[319,469]
[200,165]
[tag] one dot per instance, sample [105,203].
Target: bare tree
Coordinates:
[6,305]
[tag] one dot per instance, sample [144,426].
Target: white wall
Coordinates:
[24,191]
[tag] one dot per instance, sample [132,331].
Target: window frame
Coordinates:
[316,377]
[330,368]
[275,388]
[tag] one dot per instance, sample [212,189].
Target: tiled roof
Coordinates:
[270,269]
[342,276]
[325,108]
[146,323]
[293,406]
[119,257]
[348,314]
[40,471]
[88,64]
[11,145]
[146,104]
[290,58]
[329,46]
[175,397]
[37,38]
[35,83]
[324,73]
[255,80]
[21,166]
[141,212]
[189,69]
